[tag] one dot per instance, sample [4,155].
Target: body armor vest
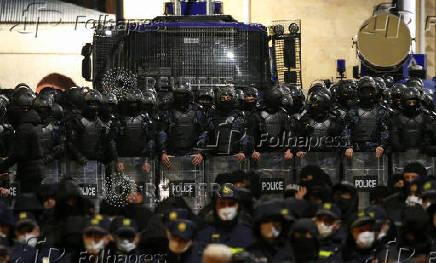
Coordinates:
[412,130]
[367,127]
[273,125]
[225,136]
[46,135]
[89,139]
[132,138]
[320,129]
[182,135]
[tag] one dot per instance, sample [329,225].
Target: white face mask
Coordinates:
[324,230]
[177,247]
[29,239]
[94,248]
[413,200]
[227,214]
[365,239]
[125,246]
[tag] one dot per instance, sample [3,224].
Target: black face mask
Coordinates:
[248,106]
[306,248]
[411,109]
[318,113]
[225,105]
[44,114]
[90,112]
[181,102]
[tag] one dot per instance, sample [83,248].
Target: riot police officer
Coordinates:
[367,123]
[87,136]
[183,128]
[298,100]
[52,137]
[6,134]
[344,95]
[136,132]
[26,147]
[108,111]
[410,126]
[205,98]
[397,93]
[276,126]
[320,122]
[228,125]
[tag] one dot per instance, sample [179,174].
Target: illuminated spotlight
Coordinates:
[294,28]
[230,55]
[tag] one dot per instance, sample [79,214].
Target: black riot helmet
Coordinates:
[298,98]
[239,98]
[251,97]
[387,97]
[165,100]
[183,95]
[367,89]
[347,93]
[47,91]
[225,98]
[150,102]
[411,100]
[335,89]
[251,92]
[205,97]
[319,87]
[318,105]
[381,84]
[427,102]
[109,105]
[130,102]
[43,104]
[417,83]
[93,100]
[109,98]
[4,103]
[20,89]
[287,101]
[389,80]
[74,98]
[25,100]
[93,96]
[43,101]
[273,97]
[397,93]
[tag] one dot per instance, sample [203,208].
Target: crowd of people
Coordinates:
[52,135]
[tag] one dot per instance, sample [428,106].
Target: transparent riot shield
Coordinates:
[90,178]
[142,181]
[274,173]
[7,182]
[401,159]
[365,171]
[183,179]
[329,162]
[223,164]
[54,172]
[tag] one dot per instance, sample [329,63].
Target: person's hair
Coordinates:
[61,81]
[415,167]
[217,253]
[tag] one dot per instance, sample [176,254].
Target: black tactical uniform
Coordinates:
[183,129]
